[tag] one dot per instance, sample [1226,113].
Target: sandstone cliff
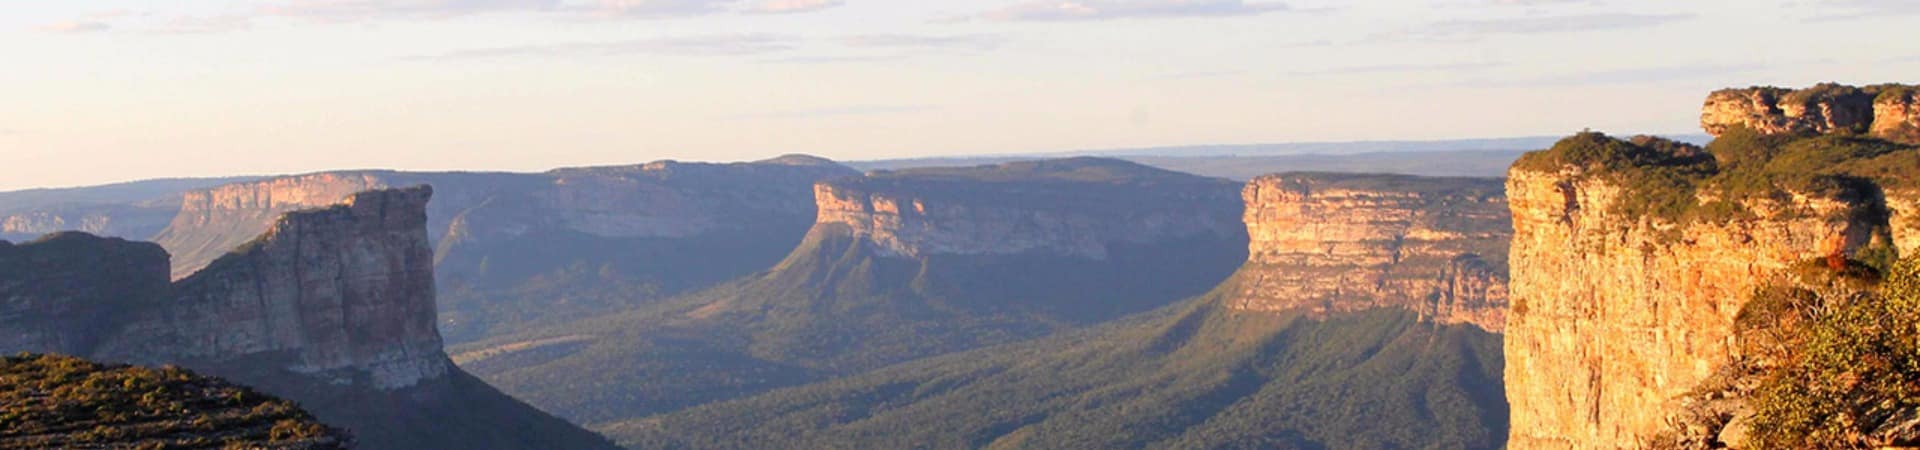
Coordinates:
[1633,259]
[347,289]
[1340,243]
[1046,209]
[212,221]
[1885,111]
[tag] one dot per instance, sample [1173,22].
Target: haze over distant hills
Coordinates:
[1364,317]
[898,266]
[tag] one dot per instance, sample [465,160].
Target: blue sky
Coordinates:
[99,91]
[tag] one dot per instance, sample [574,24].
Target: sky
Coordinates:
[96,91]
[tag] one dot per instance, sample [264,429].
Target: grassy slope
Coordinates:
[1188,376]
[49,401]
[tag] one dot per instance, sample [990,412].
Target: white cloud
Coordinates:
[715,45]
[790,6]
[77,27]
[1057,10]
[911,41]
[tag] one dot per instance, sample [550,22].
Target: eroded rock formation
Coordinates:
[1885,111]
[1340,243]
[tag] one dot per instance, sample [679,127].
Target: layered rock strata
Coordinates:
[1045,210]
[348,290]
[1328,243]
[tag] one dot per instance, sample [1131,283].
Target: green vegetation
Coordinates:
[1680,183]
[1840,355]
[61,402]
[836,308]
[1191,375]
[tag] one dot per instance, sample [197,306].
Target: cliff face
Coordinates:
[1613,318]
[1633,259]
[915,214]
[347,290]
[1886,111]
[1341,243]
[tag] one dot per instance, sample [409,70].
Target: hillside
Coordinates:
[1398,350]
[49,401]
[1193,376]
[898,266]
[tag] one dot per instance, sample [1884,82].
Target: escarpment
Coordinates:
[1633,259]
[516,249]
[1339,243]
[331,307]
[1885,111]
[1076,208]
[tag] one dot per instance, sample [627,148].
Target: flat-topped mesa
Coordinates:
[215,220]
[344,292]
[1340,243]
[1075,207]
[1889,111]
[1632,260]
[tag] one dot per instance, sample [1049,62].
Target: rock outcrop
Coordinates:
[1885,111]
[346,291]
[1329,243]
[1632,260]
